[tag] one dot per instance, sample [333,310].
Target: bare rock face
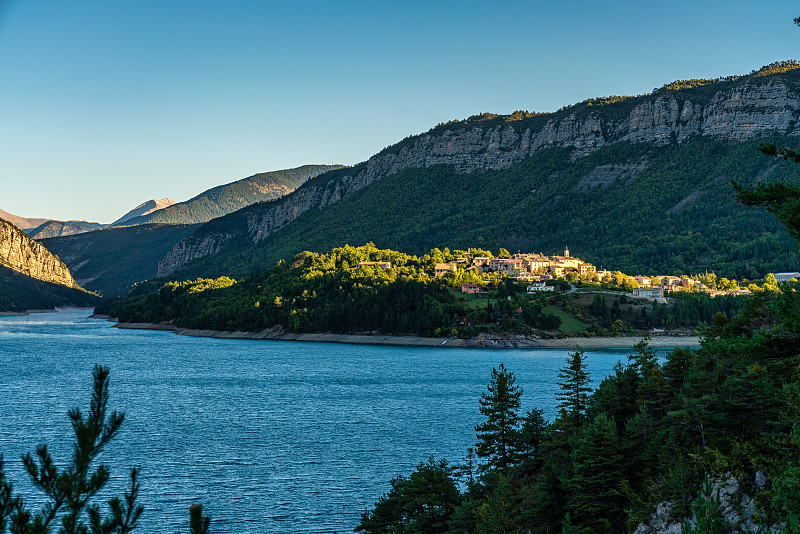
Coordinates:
[754,107]
[739,510]
[22,254]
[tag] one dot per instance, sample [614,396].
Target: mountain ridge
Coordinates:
[227,198]
[733,109]
[31,277]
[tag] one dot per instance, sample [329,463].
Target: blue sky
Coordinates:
[104,105]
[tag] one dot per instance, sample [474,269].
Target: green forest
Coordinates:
[653,432]
[112,261]
[19,293]
[330,292]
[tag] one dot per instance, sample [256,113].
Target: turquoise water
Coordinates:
[270,436]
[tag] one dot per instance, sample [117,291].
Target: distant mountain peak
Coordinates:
[145,208]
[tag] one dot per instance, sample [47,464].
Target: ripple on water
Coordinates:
[270,436]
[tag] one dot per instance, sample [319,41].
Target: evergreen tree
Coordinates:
[499,514]
[595,500]
[422,503]
[574,386]
[500,405]
[71,490]
[531,435]
[707,514]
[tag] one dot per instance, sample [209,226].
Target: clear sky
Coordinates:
[105,104]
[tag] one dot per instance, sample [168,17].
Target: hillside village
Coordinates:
[541,270]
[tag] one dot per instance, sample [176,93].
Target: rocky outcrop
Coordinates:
[751,107]
[24,255]
[740,511]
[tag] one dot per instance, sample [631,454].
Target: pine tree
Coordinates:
[708,518]
[500,406]
[595,500]
[575,388]
[423,502]
[531,435]
[70,490]
[498,514]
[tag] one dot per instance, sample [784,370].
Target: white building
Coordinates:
[785,277]
[539,286]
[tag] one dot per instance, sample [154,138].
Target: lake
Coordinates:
[270,436]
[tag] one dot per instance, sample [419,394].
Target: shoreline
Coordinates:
[481,341]
[28,312]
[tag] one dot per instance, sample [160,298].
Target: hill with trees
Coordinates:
[539,181]
[635,207]
[60,228]
[365,290]
[224,199]
[640,184]
[112,261]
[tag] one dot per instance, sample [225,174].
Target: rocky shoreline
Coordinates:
[480,341]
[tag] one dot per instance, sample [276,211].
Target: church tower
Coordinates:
[566,252]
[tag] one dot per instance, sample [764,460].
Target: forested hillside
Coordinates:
[635,207]
[227,198]
[111,261]
[19,293]
[700,442]
[337,292]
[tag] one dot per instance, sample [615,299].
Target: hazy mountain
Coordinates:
[224,199]
[22,223]
[59,228]
[638,183]
[145,208]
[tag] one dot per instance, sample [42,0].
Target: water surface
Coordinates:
[271,436]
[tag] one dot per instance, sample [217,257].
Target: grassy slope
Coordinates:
[679,215]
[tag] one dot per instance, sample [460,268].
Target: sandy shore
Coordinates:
[482,341]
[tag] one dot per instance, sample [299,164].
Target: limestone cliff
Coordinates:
[733,109]
[24,255]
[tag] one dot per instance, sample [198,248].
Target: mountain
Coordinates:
[20,253]
[37,228]
[33,278]
[22,223]
[113,260]
[224,199]
[143,209]
[59,228]
[638,183]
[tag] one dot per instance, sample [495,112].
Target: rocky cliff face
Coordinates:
[24,255]
[741,512]
[752,106]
